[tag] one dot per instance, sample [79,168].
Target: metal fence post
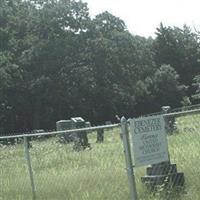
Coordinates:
[28,159]
[127,152]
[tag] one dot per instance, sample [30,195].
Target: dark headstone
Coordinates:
[108,122]
[163,174]
[170,122]
[100,135]
[61,126]
[88,125]
[80,139]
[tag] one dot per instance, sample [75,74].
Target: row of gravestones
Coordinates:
[164,174]
[79,138]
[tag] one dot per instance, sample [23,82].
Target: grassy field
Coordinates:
[96,174]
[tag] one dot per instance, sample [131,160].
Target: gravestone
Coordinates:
[88,125]
[39,137]
[64,125]
[81,139]
[100,136]
[108,122]
[163,174]
[170,124]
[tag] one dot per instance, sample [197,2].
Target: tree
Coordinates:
[116,60]
[41,41]
[179,48]
[56,63]
[106,24]
[166,87]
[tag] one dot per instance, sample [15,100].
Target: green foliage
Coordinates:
[179,48]
[106,24]
[56,62]
[166,86]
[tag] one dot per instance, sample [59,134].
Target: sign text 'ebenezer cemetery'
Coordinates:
[149,140]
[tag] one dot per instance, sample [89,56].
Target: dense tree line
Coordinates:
[57,62]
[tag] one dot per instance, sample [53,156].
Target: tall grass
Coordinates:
[63,174]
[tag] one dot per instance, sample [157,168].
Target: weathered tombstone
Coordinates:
[64,125]
[108,122]
[40,137]
[118,120]
[170,124]
[88,125]
[81,139]
[163,175]
[29,144]
[100,136]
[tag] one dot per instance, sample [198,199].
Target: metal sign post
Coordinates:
[127,152]
[27,157]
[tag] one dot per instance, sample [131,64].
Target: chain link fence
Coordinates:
[61,172]
[178,178]
[98,171]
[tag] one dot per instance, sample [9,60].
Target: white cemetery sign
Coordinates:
[149,140]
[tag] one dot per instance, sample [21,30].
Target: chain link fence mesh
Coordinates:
[183,134]
[60,173]
[14,178]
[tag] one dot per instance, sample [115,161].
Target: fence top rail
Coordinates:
[91,128]
[176,110]
[60,132]
[173,113]
[182,112]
